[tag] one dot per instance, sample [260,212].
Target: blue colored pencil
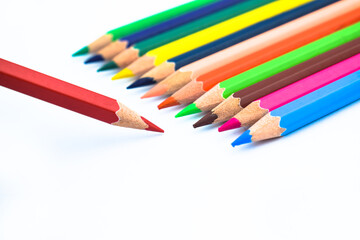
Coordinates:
[116,47]
[225,42]
[309,108]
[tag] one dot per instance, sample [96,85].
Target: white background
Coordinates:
[67,176]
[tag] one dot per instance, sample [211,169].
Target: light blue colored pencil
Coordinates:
[309,108]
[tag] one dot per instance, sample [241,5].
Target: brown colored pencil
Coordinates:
[239,100]
[304,101]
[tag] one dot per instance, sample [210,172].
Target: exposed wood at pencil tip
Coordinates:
[142,65]
[126,57]
[210,99]
[100,43]
[177,81]
[266,128]
[251,114]
[128,118]
[227,109]
[189,93]
[112,49]
[161,72]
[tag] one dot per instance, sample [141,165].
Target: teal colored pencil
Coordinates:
[137,50]
[133,27]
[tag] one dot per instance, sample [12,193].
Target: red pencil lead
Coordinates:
[152,127]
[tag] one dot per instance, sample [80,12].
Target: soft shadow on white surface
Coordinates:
[66,176]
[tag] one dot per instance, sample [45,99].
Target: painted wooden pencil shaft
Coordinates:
[224,89]
[259,108]
[173,64]
[130,28]
[139,49]
[213,69]
[223,29]
[239,100]
[106,54]
[163,53]
[304,110]
[70,96]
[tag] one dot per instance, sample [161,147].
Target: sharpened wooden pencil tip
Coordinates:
[82,51]
[243,139]
[208,119]
[125,73]
[190,109]
[232,123]
[108,66]
[156,91]
[142,82]
[169,102]
[152,127]
[95,58]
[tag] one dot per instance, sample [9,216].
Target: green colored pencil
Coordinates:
[224,89]
[139,49]
[141,24]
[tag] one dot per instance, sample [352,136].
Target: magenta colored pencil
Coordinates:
[311,83]
[257,109]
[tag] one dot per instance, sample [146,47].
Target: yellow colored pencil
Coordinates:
[159,55]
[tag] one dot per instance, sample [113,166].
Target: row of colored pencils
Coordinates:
[268,66]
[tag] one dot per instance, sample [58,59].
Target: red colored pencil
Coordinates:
[70,96]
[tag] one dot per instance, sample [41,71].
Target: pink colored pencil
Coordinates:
[259,108]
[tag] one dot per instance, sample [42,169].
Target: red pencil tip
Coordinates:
[169,102]
[152,127]
[231,124]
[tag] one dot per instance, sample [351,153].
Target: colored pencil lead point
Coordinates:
[142,82]
[169,102]
[190,109]
[156,91]
[152,127]
[95,58]
[232,123]
[243,139]
[125,73]
[108,66]
[209,118]
[82,51]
